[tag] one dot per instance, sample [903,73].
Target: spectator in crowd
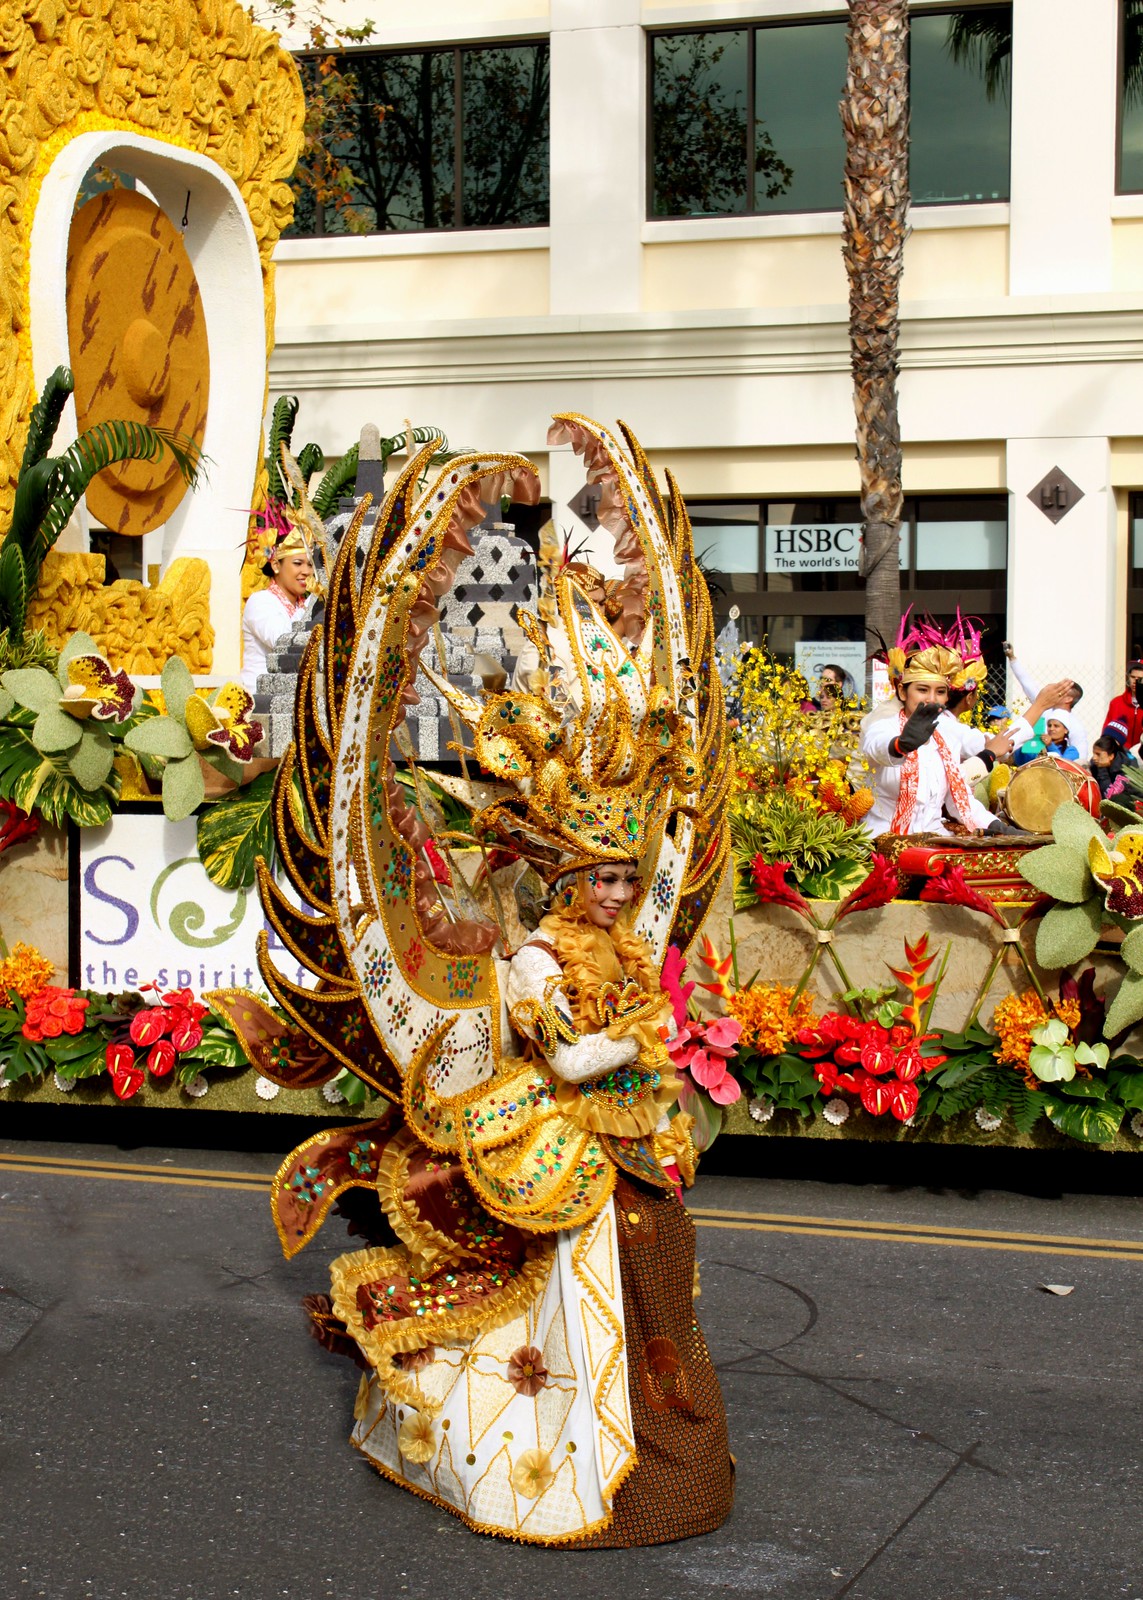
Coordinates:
[834,684]
[998,719]
[1056,740]
[1109,759]
[1077,733]
[1125,707]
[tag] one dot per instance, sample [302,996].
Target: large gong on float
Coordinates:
[138,347]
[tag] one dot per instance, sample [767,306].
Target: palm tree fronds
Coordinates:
[282,420]
[982,41]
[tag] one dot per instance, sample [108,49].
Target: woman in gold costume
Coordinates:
[523,1309]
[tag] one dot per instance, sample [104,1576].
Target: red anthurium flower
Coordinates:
[769,880]
[876,1095]
[903,1101]
[15,824]
[186,1034]
[878,1058]
[161,1058]
[126,1074]
[149,1025]
[826,1074]
[910,1063]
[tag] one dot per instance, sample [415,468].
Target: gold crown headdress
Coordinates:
[927,653]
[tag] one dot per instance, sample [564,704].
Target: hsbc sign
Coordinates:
[826,547]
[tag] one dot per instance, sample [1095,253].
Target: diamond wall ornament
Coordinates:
[1056,494]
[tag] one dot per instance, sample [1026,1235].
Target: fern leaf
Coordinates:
[333,485]
[310,460]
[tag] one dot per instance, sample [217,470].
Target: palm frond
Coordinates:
[982,41]
[333,485]
[282,420]
[46,413]
[311,459]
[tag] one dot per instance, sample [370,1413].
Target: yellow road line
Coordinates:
[962,1241]
[705,1217]
[916,1227]
[79,1168]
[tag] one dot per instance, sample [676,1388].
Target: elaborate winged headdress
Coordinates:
[625,762]
[927,653]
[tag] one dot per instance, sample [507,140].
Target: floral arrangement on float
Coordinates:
[149,1035]
[793,800]
[875,1053]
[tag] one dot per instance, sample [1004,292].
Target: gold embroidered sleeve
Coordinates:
[543,1021]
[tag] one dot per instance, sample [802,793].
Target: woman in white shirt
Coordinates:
[269,612]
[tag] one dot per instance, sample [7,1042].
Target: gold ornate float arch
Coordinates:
[196,74]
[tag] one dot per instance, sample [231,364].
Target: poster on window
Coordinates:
[825,547]
[812,656]
[144,911]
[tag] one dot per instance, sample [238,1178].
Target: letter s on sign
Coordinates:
[130,915]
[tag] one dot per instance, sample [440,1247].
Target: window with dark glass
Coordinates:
[1130,178]
[791,566]
[434,139]
[1135,581]
[744,120]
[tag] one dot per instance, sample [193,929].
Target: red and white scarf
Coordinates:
[907,799]
[279,593]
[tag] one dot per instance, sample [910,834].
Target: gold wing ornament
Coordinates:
[627,761]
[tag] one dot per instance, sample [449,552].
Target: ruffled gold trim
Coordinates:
[576,1101]
[380,1344]
[427,1246]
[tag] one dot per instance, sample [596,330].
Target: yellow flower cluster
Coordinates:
[24,971]
[768,1024]
[779,743]
[1016,1016]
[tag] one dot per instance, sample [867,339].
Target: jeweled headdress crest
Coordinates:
[927,653]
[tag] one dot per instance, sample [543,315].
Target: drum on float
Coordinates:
[1036,791]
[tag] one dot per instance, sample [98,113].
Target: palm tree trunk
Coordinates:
[875,117]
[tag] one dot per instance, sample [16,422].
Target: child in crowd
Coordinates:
[1109,758]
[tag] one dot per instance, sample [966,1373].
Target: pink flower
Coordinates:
[710,1072]
[672,983]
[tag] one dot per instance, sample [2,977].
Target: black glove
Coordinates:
[1000,826]
[919,728]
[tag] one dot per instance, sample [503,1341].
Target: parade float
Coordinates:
[825,985]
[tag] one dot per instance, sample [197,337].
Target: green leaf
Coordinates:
[1092,1055]
[835,881]
[7,703]
[33,687]
[1084,1089]
[218,1047]
[79,644]
[183,788]
[14,587]
[355,1089]
[91,762]
[1052,1065]
[1127,1007]
[236,830]
[45,417]
[55,730]
[160,736]
[1132,950]
[1095,1122]
[177,685]
[1127,1088]
[961,1070]
[1074,827]
[1068,933]
[1026,1107]
[708,1116]
[1059,871]
[1119,816]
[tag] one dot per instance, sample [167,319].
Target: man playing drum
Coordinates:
[916,749]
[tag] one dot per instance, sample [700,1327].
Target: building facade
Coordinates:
[633,210]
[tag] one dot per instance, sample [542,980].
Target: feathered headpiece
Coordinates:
[927,653]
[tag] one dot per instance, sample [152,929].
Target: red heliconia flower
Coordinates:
[769,880]
[881,886]
[903,1100]
[126,1074]
[161,1058]
[950,888]
[149,1025]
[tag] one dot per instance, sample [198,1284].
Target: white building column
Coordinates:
[598,159]
[1063,586]
[1064,93]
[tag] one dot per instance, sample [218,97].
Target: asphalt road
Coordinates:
[914,1416]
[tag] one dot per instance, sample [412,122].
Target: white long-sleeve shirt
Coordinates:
[933,793]
[265,619]
[1077,733]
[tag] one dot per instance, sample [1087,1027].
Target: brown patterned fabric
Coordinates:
[684,1482]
